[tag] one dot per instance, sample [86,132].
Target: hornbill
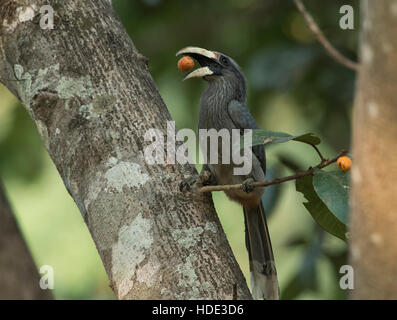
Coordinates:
[222,106]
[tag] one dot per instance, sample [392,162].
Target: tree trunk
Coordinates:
[19,278]
[373,250]
[90,93]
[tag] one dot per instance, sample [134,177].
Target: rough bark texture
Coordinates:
[374,176]
[19,278]
[92,98]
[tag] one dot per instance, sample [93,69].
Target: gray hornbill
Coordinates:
[222,106]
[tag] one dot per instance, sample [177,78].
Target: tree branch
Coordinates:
[324,163]
[332,51]
[19,278]
[373,223]
[92,98]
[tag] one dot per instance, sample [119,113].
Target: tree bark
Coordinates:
[373,250]
[19,278]
[91,95]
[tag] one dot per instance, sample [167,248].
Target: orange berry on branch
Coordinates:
[185,64]
[344,163]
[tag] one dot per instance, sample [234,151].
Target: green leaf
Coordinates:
[318,210]
[333,189]
[308,138]
[260,137]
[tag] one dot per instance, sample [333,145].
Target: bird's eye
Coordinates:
[225,61]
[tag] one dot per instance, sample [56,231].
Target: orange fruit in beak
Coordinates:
[185,64]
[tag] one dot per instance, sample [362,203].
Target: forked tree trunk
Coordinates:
[373,250]
[90,93]
[19,278]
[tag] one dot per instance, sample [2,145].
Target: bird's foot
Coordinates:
[205,178]
[247,185]
[196,182]
[188,183]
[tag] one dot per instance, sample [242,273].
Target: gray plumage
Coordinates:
[222,106]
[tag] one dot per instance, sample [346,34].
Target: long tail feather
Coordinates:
[264,283]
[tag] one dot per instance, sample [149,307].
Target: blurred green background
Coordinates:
[294,86]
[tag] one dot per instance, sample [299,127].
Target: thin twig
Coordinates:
[318,152]
[324,163]
[333,52]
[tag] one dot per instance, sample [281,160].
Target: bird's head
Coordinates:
[216,68]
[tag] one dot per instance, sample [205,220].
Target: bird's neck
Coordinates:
[215,100]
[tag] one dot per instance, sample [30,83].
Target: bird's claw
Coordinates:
[247,185]
[186,184]
[205,177]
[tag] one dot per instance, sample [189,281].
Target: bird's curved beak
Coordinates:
[209,61]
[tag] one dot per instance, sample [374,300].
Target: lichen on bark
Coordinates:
[91,95]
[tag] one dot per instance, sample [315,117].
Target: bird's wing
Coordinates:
[243,119]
